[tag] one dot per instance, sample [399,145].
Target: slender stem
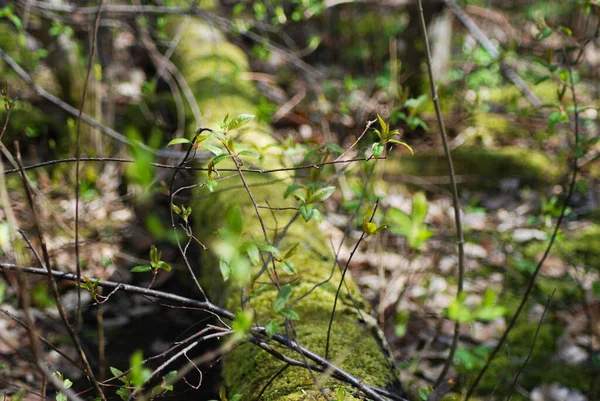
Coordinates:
[451,173]
[548,248]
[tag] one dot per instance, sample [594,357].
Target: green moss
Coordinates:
[482,168]
[212,68]
[581,247]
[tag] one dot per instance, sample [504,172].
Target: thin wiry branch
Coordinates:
[75,113]
[455,201]
[538,268]
[45,262]
[77,151]
[190,168]
[337,293]
[338,373]
[537,331]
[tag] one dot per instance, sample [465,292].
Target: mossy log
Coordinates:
[213,68]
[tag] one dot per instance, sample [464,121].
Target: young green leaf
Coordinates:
[215,150]
[253,253]
[163,265]
[239,121]
[178,141]
[306,211]
[271,328]
[322,193]
[225,269]
[377,149]
[289,267]
[317,216]
[212,185]
[140,269]
[270,248]
[289,190]
[290,252]
[403,144]
[250,153]
[217,159]
[282,298]
[290,314]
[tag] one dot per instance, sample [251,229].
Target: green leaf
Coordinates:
[115,372]
[317,216]
[253,253]
[225,269]
[217,151]
[403,144]
[369,227]
[235,219]
[250,153]
[242,323]
[289,267]
[154,254]
[377,149]
[163,265]
[544,34]
[322,193]
[271,328]
[290,314]
[334,147]
[290,252]
[306,211]
[424,393]
[401,223]
[419,207]
[211,184]
[270,248]
[239,121]
[459,312]
[140,269]
[300,197]
[289,190]
[176,209]
[489,312]
[282,298]
[554,118]
[384,127]
[218,159]
[177,141]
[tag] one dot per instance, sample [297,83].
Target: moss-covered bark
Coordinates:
[212,65]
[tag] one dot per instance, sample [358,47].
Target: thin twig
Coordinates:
[84,117]
[45,262]
[561,217]
[338,373]
[455,201]
[337,293]
[537,331]
[77,155]
[494,53]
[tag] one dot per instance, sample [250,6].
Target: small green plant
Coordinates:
[156,263]
[487,310]
[385,137]
[60,396]
[411,226]
[280,304]
[312,194]
[414,106]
